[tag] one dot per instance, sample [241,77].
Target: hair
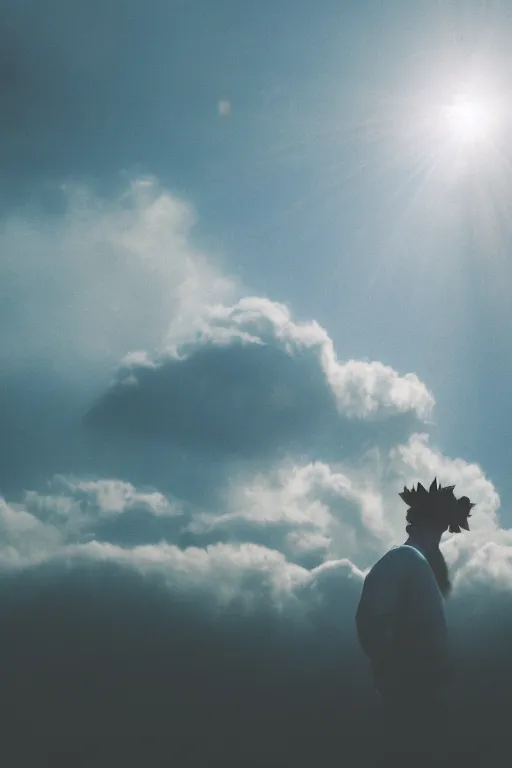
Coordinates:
[436,508]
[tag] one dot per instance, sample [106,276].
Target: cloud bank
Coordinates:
[193,487]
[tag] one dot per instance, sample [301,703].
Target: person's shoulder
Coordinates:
[409,553]
[401,557]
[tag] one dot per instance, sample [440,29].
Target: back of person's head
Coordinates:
[436,508]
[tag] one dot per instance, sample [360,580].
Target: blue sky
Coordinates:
[254,278]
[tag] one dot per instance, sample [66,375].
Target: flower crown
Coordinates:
[438,504]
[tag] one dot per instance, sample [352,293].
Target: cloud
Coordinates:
[24,537]
[306,514]
[102,277]
[277,626]
[249,380]
[190,559]
[361,389]
[416,461]
[132,670]
[312,513]
[81,286]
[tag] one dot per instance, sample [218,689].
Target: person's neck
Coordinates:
[425,539]
[427,542]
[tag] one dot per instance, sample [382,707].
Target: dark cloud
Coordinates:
[224,399]
[124,672]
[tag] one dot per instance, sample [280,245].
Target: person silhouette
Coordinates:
[401,624]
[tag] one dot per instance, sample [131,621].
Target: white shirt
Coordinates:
[400,621]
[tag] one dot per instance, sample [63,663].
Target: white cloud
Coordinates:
[247,576]
[71,513]
[24,539]
[361,389]
[95,499]
[306,510]
[113,497]
[102,278]
[478,559]
[417,461]
[310,513]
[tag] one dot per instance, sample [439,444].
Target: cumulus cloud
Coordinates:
[312,512]
[360,389]
[416,460]
[247,379]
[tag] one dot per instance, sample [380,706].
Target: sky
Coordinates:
[254,276]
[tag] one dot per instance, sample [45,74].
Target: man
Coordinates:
[400,618]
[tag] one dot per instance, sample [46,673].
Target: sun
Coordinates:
[469,120]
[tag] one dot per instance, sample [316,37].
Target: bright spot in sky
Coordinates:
[469,120]
[224,108]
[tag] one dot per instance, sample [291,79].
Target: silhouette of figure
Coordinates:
[401,624]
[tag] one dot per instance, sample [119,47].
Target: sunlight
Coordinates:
[456,131]
[452,171]
[470,120]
